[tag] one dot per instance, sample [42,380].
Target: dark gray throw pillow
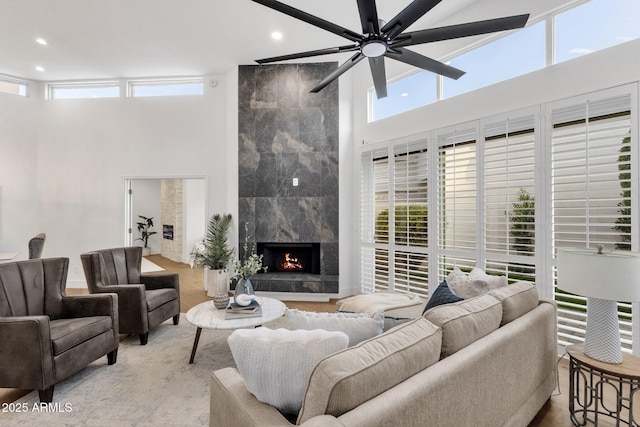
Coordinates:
[442,295]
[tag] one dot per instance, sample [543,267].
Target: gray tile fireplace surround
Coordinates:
[287,133]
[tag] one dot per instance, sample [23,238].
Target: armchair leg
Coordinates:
[176,319]
[46,395]
[144,338]
[112,357]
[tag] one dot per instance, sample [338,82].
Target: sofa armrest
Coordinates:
[160,281]
[233,405]
[26,346]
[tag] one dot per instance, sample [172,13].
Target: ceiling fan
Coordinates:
[380,39]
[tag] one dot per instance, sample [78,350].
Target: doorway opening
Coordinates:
[175,204]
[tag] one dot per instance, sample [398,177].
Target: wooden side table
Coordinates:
[598,389]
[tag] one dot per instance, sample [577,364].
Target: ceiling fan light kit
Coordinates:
[381,39]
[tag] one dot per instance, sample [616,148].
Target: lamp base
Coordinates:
[602,340]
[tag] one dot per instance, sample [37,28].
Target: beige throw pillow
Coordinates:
[464,286]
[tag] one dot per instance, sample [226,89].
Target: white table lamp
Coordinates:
[604,278]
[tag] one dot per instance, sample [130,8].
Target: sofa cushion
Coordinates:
[346,379]
[358,326]
[67,333]
[517,299]
[466,321]
[276,364]
[442,295]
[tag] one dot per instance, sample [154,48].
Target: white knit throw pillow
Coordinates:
[276,364]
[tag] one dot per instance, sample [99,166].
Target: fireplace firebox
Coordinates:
[290,257]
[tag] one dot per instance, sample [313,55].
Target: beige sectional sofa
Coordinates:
[486,361]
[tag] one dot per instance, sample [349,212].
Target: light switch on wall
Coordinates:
[295,182]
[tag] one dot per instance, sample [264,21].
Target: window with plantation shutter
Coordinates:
[410,181]
[504,193]
[590,193]
[457,198]
[394,219]
[374,199]
[509,197]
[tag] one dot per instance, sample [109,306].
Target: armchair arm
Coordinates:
[131,307]
[90,305]
[26,354]
[161,281]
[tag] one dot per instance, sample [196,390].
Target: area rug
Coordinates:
[151,385]
[149,267]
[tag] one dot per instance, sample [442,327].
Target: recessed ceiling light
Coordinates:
[276,35]
[41,41]
[404,94]
[39,68]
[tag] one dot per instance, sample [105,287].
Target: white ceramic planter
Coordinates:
[216,281]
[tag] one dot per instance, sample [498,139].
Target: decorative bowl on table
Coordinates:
[221,301]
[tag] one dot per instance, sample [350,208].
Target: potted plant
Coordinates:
[144,227]
[214,254]
[250,265]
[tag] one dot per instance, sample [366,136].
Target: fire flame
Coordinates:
[291,263]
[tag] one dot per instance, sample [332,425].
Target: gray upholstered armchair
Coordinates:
[36,245]
[45,335]
[144,300]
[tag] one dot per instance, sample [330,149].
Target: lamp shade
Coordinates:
[591,273]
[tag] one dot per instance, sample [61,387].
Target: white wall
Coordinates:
[87,147]
[19,203]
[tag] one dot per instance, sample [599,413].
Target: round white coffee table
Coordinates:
[206,316]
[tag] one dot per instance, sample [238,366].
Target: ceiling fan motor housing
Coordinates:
[373,48]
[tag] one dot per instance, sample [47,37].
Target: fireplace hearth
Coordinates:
[290,257]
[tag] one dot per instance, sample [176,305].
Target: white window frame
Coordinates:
[162,82]
[21,85]
[51,88]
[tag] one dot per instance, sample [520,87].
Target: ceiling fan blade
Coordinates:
[311,19]
[318,52]
[379,76]
[461,30]
[369,16]
[409,57]
[338,72]
[408,16]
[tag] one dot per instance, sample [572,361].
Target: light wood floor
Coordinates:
[555,412]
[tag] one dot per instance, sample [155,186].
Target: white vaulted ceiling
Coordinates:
[93,39]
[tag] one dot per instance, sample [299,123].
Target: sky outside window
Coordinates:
[595,25]
[405,94]
[516,54]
